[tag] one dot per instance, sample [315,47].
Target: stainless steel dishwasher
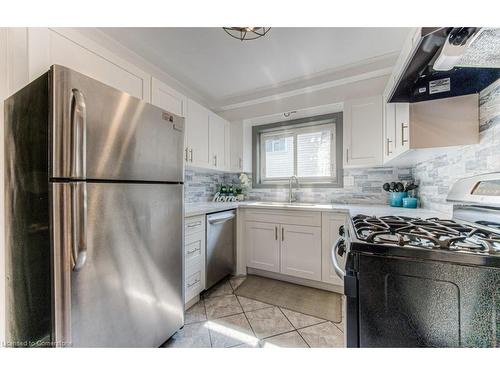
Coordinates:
[220,246]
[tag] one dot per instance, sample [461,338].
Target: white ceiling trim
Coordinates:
[309,89]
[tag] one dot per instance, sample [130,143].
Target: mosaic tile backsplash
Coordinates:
[367,189]
[437,175]
[201,185]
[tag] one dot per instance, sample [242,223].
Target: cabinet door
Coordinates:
[217,136]
[331,222]
[389,130]
[301,251]
[402,123]
[363,144]
[70,48]
[167,98]
[236,147]
[197,135]
[227,146]
[262,245]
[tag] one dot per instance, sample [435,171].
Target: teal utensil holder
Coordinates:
[396,198]
[410,202]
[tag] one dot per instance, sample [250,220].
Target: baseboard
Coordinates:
[193,301]
[297,280]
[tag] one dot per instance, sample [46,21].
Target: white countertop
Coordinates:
[193,209]
[202,208]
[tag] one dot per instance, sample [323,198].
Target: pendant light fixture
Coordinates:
[246,33]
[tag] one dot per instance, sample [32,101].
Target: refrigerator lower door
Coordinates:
[120,283]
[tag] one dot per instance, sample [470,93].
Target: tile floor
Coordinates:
[223,320]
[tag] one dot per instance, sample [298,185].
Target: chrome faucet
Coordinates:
[291,194]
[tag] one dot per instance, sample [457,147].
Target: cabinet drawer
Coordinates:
[194,282]
[194,249]
[194,224]
[293,217]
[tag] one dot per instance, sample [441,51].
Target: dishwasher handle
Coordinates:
[220,218]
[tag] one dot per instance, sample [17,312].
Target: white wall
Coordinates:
[13,76]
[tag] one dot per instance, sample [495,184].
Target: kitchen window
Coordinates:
[308,148]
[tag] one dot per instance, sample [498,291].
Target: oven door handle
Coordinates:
[340,273]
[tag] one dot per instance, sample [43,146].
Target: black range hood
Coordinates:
[421,81]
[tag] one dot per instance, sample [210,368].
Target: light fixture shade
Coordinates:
[246,33]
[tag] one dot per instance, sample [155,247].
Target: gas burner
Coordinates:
[432,233]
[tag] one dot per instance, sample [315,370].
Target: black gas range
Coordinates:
[433,282]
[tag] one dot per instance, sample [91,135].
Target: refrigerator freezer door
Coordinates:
[128,292]
[101,133]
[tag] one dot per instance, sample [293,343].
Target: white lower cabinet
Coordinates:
[301,251]
[292,243]
[262,245]
[194,256]
[330,225]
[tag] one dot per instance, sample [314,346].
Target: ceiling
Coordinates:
[221,68]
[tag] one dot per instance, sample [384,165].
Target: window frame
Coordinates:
[293,126]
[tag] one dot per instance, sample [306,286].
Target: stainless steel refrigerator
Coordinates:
[94,213]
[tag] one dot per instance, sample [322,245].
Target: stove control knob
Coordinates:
[341,230]
[341,248]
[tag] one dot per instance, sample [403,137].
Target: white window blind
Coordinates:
[306,152]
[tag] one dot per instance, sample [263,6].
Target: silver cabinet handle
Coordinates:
[347,155]
[241,163]
[215,160]
[403,127]
[340,273]
[193,283]
[276,233]
[191,155]
[194,251]
[282,234]
[78,136]
[79,224]
[186,154]
[194,225]
[388,145]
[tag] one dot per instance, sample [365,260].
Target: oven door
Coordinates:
[344,265]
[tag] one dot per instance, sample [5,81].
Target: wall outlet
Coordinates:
[349,181]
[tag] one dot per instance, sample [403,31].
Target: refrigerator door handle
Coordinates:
[79,224]
[79,130]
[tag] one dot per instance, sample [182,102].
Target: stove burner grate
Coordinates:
[432,233]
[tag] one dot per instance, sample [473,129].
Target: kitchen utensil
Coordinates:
[400,187]
[392,186]
[386,187]
[411,186]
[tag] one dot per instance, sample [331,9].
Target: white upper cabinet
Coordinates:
[227,146]
[416,131]
[396,129]
[197,135]
[217,141]
[363,131]
[236,143]
[73,50]
[167,98]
